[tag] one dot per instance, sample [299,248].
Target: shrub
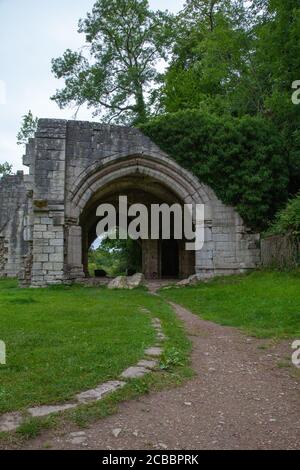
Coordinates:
[242,159]
[288,219]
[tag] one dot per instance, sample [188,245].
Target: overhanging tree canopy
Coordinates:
[116,73]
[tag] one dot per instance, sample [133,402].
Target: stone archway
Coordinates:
[72,166]
[146,180]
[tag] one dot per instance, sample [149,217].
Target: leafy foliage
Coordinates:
[233,58]
[116,257]
[242,159]
[5,169]
[28,128]
[288,219]
[230,67]
[125,40]
[209,55]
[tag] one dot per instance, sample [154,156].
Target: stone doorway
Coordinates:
[169,259]
[160,258]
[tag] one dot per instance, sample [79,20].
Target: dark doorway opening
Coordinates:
[169,258]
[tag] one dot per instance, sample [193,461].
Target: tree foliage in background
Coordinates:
[117,76]
[5,169]
[237,60]
[28,128]
[209,56]
[242,159]
[230,67]
[287,221]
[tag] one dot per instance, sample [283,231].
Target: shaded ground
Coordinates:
[243,397]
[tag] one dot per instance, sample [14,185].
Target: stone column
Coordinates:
[151,261]
[74,266]
[46,158]
[186,261]
[48,248]
[205,256]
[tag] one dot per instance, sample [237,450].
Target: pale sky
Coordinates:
[32,33]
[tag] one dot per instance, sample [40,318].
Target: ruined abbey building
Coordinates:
[48,218]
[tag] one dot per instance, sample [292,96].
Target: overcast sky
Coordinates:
[32,33]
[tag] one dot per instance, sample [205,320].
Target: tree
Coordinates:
[232,59]
[241,159]
[287,221]
[28,128]
[209,55]
[277,66]
[124,42]
[5,169]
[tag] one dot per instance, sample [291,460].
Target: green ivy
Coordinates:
[242,159]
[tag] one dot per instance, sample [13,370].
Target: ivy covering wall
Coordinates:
[242,159]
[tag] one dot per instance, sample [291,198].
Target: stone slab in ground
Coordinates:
[155,352]
[39,411]
[134,372]
[10,421]
[149,364]
[97,393]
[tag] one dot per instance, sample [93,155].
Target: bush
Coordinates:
[242,159]
[288,220]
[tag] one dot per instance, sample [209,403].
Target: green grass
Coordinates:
[63,340]
[264,304]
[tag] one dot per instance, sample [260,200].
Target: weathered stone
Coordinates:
[116,432]
[39,411]
[136,280]
[155,352]
[190,281]
[70,162]
[77,438]
[161,336]
[119,282]
[129,282]
[156,323]
[10,422]
[98,393]
[134,372]
[147,364]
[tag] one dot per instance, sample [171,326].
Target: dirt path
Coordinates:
[239,399]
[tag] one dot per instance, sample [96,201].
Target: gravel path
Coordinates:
[239,399]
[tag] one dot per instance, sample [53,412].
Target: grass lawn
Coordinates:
[62,340]
[265,304]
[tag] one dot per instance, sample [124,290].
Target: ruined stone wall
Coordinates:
[13,209]
[45,156]
[70,161]
[280,251]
